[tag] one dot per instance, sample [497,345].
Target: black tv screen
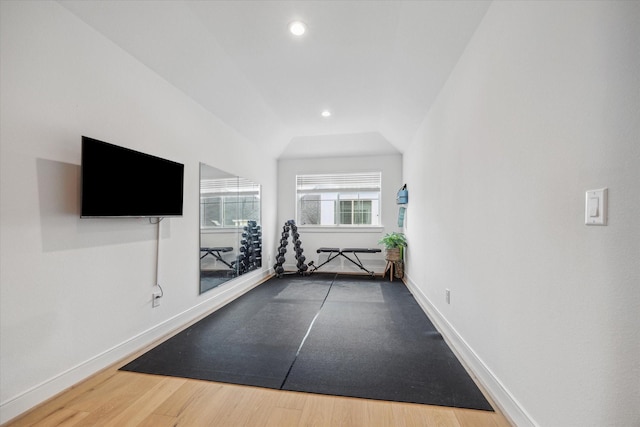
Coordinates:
[120,182]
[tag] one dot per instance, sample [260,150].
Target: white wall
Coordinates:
[76,293]
[315,237]
[543,105]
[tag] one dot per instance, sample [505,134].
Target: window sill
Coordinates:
[340,229]
[220,230]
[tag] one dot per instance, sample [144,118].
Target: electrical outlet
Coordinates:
[447,296]
[155,299]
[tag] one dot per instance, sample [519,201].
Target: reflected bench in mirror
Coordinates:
[216,254]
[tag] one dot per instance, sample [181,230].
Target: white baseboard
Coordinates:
[505,401]
[32,397]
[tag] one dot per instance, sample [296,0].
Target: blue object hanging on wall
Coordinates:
[401,216]
[403,196]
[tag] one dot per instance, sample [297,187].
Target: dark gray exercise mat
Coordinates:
[372,340]
[251,341]
[360,337]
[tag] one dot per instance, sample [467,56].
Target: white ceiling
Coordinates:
[377,65]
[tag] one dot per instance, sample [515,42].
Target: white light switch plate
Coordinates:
[595,207]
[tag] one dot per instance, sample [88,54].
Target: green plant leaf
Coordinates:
[393,240]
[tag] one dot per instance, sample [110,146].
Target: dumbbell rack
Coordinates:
[250,257]
[290,226]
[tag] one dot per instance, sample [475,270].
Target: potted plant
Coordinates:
[393,242]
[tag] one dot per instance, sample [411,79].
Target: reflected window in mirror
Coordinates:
[218,199]
[247,202]
[230,231]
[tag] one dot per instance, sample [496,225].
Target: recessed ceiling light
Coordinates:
[297,28]
[326,113]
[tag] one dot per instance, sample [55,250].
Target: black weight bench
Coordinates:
[215,252]
[336,252]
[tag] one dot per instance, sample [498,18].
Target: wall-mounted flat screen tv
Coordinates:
[120,182]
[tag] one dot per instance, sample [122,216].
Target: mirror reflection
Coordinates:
[230,231]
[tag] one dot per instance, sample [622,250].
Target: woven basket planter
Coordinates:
[392,254]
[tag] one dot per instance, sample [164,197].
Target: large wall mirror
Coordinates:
[230,230]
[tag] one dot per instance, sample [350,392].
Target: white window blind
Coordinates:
[224,186]
[339,182]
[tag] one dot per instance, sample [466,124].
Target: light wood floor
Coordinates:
[119,398]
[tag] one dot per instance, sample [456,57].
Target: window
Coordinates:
[228,202]
[355,212]
[351,199]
